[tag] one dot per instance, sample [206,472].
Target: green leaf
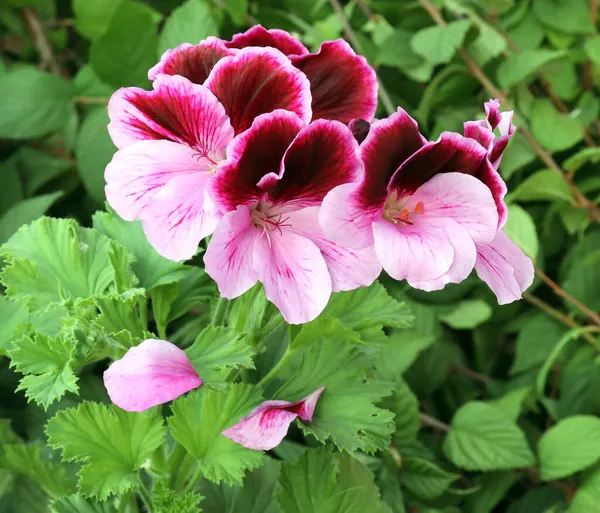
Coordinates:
[424,478]
[12,314]
[570,446]
[583,278]
[405,405]
[587,496]
[579,159]
[345,411]
[112,444]
[166,500]
[493,488]
[218,350]
[256,496]
[591,46]
[520,228]
[554,130]
[483,438]
[324,328]
[324,482]
[546,184]
[119,313]
[517,155]
[399,352]
[468,314]
[511,403]
[25,212]
[53,259]
[33,103]
[47,364]
[94,150]
[238,10]
[197,422]
[92,17]
[37,168]
[438,44]
[520,66]
[396,51]
[79,504]
[123,54]
[88,84]
[190,22]
[151,268]
[572,17]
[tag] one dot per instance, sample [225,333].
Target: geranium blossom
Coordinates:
[266,426]
[270,190]
[172,138]
[424,205]
[343,86]
[149,374]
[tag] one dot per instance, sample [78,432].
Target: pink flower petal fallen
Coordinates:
[149,374]
[266,426]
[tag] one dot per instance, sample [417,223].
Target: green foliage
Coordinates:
[190,22]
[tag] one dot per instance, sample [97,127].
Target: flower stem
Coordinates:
[145,495]
[220,311]
[428,420]
[278,366]
[191,484]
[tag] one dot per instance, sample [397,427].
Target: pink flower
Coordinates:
[152,373]
[172,138]
[270,190]
[342,84]
[266,426]
[424,205]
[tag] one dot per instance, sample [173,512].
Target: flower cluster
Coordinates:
[274,152]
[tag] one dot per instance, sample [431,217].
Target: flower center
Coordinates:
[401,209]
[265,216]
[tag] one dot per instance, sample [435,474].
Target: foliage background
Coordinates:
[496,407]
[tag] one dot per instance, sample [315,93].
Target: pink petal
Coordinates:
[342,84]
[176,110]
[462,198]
[505,268]
[193,62]
[266,426]
[417,252]
[152,373]
[349,269]
[257,81]
[228,259]
[254,154]
[275,38]
[490,177]
[294,275]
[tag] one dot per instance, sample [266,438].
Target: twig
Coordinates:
[42,45]
[56,152]
[366,10]
[475,376]
[428,420]
[85,100]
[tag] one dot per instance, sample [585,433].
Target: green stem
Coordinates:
[220,311]
[143,304]
[278,366]
[183,472]
[191,484]
[145,495]
[124,501]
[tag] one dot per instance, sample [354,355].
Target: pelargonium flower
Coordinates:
[343,86]
[270,190]
[266,426]
[424,205]
[171,139]
[149,374]
[501,263]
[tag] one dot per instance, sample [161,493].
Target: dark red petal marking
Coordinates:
[257,81]
[322,156]
[251,156]
[489,175]
[275,38]
[360,129]
[390,142]
[194,62]
[342,84]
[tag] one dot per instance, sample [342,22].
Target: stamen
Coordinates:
[419,208]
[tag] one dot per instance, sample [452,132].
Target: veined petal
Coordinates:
[349,269]
[194,62]
[175,110]
[294,274]
[275,38]
[266,426]
[460,197]
[489,175]
[342,84]
[256,81]
[228,259]
[254,154]
[152,373]
[505,268]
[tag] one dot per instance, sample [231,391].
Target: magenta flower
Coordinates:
[342,84]
[424,205]
[266,426]
[172,138]
[270,191]
[149,374]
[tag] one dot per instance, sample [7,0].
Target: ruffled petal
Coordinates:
[194,62]
[275,38]
[342,84]
[255,159]
[228,259]
[266,426]
[257,81]
[505,268]
[349,269]
[152,373]
[175,110]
